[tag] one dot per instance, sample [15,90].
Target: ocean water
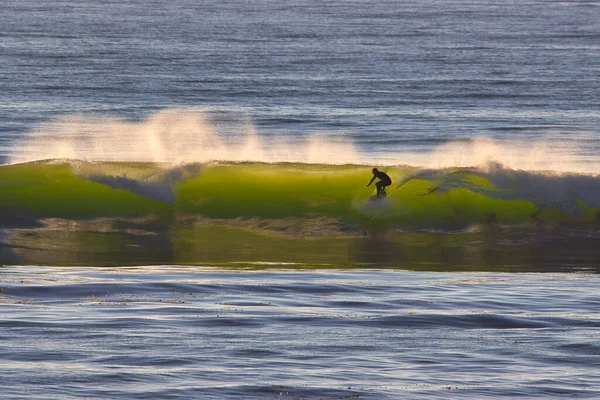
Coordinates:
[184,210]
[198,332]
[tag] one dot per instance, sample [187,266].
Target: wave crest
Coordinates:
[183,136]
[175,136]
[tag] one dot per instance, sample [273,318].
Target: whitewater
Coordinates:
[179,136]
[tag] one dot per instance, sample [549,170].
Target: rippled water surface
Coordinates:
[200,332]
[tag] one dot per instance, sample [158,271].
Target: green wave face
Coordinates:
[77,213]
[416,199]
[53,190]
[437,199]
[273,191]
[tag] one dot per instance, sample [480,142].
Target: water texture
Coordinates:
[197,332]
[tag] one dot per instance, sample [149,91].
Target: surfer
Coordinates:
[384,181]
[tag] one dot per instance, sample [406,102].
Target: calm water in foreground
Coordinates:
[199,332]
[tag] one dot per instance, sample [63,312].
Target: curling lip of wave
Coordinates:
[561,191]
[160,187]
[446,198]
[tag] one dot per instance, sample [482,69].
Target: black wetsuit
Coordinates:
[384,181]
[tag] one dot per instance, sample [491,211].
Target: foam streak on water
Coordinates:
[197,332]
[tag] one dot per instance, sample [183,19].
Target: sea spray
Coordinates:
[175,136]
[189,135]
[547,154]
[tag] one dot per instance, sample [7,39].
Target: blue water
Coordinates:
[432,83]
[198,332]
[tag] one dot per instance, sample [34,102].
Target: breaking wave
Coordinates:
[418,198]
[183,136]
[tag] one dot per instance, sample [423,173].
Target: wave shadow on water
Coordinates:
[375,250]
[122,241]
[487,247]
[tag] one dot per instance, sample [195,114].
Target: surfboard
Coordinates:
[376,198]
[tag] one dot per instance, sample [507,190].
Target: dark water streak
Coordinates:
[484,247]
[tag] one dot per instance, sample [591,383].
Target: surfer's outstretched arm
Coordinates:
[372,179]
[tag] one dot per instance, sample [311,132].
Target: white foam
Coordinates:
[543,154]
[174,136]
[161,186]
[547,189]
[179,136]
[561,191]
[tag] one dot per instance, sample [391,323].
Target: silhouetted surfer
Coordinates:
[382,183]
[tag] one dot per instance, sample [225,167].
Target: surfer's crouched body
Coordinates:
[384,181]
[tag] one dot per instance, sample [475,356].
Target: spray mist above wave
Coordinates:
[174,136]
[551,154]
[182,136]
